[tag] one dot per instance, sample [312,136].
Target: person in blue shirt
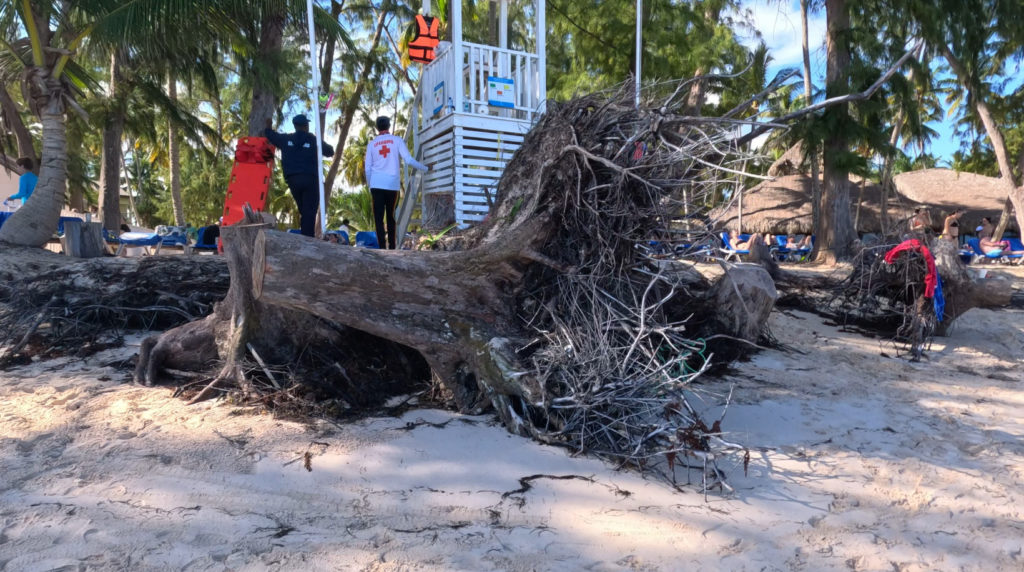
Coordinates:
[298,163]
[27,182]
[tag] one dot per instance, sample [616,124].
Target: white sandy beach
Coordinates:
[861,461]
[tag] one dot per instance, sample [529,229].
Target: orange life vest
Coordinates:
[421,48]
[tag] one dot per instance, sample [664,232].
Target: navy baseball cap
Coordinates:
[300,120]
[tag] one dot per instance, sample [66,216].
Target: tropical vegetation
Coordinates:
[146,98]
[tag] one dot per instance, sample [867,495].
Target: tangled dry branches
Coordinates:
[80,307]
[615,354]
[889,298]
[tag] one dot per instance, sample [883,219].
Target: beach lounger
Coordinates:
[205,240]
[689,250]
[980,255]
[780,252]
[1015,246]
[174,237]
[366,239]
[139,239]
[342,236]
[728,251]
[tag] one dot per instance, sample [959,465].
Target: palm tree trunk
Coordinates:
[1015,193]
[351,106]
[327,65]
[698,91]
[812,152]
[26,147]
[264,89]
[110,161]
[35,222]
[174,157]
[887,183]
[836,224]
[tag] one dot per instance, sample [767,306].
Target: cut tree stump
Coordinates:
[83,239]
[744,298]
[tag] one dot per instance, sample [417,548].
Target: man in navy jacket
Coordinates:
[298,162]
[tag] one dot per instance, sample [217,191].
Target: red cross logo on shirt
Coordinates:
[384,151]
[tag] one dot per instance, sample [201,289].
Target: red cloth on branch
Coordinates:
[932,277]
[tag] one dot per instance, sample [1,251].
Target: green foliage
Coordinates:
[204,181]
[356,206]
[427,242]
[592,44]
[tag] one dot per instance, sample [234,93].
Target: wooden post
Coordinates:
[542,61]
[503,26]
[457,56]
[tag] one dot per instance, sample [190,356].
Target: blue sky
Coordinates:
[779,25]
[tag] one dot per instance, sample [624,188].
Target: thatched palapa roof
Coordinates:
[783,206]
[945,190]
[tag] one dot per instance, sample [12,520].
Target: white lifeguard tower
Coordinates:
[474,105]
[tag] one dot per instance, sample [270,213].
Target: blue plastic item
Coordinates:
[366,239]
[204,242]
[60,222]
[725,243]
[975,244]
[140,239]
[342,236]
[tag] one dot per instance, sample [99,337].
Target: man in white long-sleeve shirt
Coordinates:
[384,178]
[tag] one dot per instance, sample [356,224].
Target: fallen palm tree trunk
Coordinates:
[548,312]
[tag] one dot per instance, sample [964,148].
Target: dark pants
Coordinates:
[384,204]
[307,197]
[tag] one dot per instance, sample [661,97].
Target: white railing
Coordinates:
[473,91]
[480,63]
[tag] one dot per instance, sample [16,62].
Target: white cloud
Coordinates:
[779,25]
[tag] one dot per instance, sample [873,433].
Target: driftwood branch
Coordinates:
[866,94]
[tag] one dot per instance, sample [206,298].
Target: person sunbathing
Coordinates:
[793,244]
[990,245]
[735,243]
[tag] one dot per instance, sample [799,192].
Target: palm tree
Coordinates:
[836,232]
[366,63]
[44,63]
[354,158]
[50,82]
[356,206]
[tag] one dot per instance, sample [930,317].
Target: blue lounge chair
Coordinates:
[700,250]
[174,237]
[729,251]
[1015,246]
[366,239]
[205,239]
[139,239]
[782,254]
[342,236]
[801,253]
[62,220]
[999,256]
